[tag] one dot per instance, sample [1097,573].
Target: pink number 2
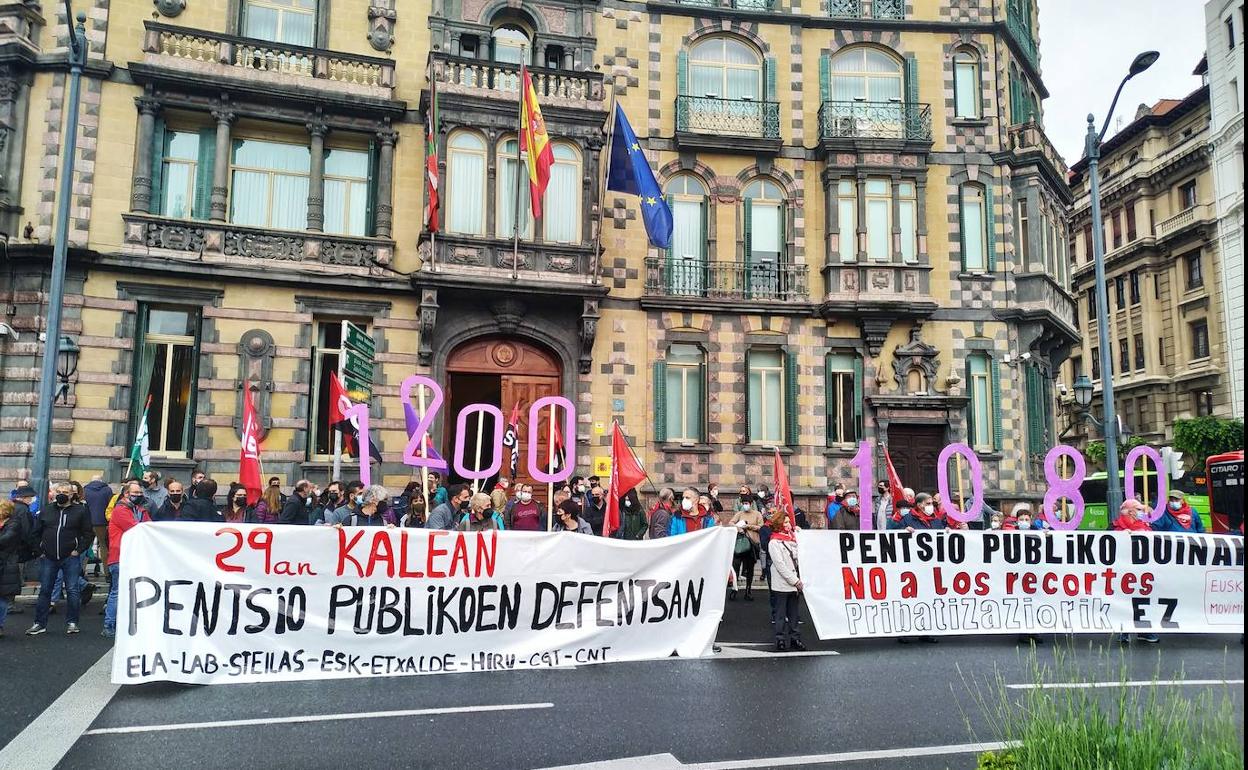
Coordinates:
[417,453]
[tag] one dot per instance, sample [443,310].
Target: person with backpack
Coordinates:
[65,534]
[368,513]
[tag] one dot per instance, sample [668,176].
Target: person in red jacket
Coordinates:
[131,510]
[1131,518]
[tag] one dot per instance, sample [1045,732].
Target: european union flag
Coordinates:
[629,172]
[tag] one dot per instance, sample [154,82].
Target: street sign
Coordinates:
[358,359]
[355,338]
[357,366]
[357,390]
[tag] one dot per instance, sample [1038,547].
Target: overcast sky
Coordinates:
[1086,47]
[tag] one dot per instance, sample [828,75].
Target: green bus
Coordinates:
[1096,515]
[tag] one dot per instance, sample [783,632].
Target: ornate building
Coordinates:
[870,238]
[1161,268]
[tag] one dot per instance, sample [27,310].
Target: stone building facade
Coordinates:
[1162,268]
[870,239]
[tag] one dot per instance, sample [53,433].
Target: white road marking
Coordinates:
[47,739]
[316,718]
[734,651]
[1132,683]
[670,762]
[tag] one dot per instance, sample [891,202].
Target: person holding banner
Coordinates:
[1131,519]
[446,516]
[786,583]
[1178,516]
[130,511]
[368,513]
[202,506]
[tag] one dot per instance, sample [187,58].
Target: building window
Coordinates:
[346,191]
[168,360]
[1195,274]
[766,395]
[1039,413]
[1124,356]
[270,184]
[1076,366]
[725,68]
[466,195]
[561,207]
[879,204]
[1091,304]
[844,399]
[1116,225]
[965,84]
[981,408]
[1141,415]
[763,218]
[1120,292]
[1202,403]
[513,188]
[1139,352]
[1131,233]
[1135,286]
[847,219]
[974,229]
[866,74]
[178,174]
[907,220]
[1199,332]
[1230,32]
[1096,363]
[325,361]
[686,376]
[1023,227]
[1087,243]
[1187,195]
[510,43]
[686,259]
[281,21]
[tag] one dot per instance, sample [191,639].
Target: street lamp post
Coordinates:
[60,248]
[1092,150]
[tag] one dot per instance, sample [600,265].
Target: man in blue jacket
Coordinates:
[1178,516]
[97,494]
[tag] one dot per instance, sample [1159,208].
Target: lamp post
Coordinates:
[60,247]
[66,366]
[1092,150]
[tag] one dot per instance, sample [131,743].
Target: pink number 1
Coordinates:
[864,461]
[359,414]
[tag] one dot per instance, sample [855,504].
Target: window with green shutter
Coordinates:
[990,228]
[1035,410]
[660,401]
[203,172]
[982,408]
[912,79]
[998,442]
[765,396]
[685,393]
[769,77]
[792,426]
[825,78]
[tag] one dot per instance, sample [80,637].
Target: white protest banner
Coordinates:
[867,584]
[205,603]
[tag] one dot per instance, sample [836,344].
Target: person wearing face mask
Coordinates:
[662,514]
[996,521]
[300,504]
[130,511]
[883,505]
[689,517]
[269,506]
[411,511]
[481,516]
[153,489]
[524,515]
[1178,516]
[236,510]
[65,533]
[447,515]
[1023,520]
[324,504]
[847,514]
[786,584]
[633,523]
[368,511]
[922,515]
[749,522]
[568,519]
[901,509]
[175,501]
[1130,518]
[595,509]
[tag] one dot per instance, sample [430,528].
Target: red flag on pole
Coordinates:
[511,441]
[894,481]
[555,461]
[784,493]
[626,473]
[249,454]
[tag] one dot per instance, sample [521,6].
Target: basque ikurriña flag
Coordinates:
[629,172]
[431,160]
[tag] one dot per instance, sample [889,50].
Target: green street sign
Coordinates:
[357,366]
[357,390]
[357,339]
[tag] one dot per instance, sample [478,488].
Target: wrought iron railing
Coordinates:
[1020,30]
[759,280]
[501,80]
[845,9]
[740,5]
[875,120]
[888,9]
[880,9]
[731,117]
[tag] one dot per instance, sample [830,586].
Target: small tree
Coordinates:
[1201,437]
[1095,451]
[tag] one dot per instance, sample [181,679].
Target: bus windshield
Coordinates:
[1093,487]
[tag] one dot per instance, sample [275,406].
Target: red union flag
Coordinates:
[626,473]
[249,453]
[784,493]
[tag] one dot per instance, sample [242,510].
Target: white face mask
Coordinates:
[1175,505]
[686,505]
[995,525]
[525,497]
[1024,524]
[628,503]
[745,506]
[928,509]
[851,501]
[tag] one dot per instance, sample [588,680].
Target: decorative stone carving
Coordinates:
[428,319]
[589,330]
[381,20]
[263,246]
[466,255]
[508,313]
[561,264]
[917,356]
[874,332]
[881,280]
[347,253]
[503,259]
[177,237]
[170,8]
[255,370]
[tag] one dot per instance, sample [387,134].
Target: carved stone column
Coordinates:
[316,177]
[588,332]
[141,190]
[428,320]
[221,168]
[383,217]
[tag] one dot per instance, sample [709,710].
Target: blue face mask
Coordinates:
[359,499]
[1175,505]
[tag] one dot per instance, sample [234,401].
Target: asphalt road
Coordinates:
[747,707]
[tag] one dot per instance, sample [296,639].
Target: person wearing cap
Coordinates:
[1178,516]
[568,519]
[922,515]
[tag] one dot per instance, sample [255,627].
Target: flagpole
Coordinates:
[605,164]
[550,466]
[476,463]
[515,226]
[424,448]
[342,357]
[146,405]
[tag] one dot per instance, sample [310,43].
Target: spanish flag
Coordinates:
[534,141]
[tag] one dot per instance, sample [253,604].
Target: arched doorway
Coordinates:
[503,371]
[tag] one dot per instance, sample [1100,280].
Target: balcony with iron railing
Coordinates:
[1038,296]
[232,59]
[1028,138]
[706,122]
[893,10]
[484,260]
[501,81]
[1020,31]
[736,5]
[761,281]
[849,121]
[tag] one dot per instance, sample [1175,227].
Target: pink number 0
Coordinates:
[977,482]
[461,430]
[569,438]
[415,453]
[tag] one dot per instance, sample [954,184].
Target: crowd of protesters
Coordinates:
[51,542]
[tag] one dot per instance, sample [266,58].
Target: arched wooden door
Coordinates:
[503,371]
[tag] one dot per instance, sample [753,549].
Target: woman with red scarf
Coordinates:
[786,583]
[1178,516]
